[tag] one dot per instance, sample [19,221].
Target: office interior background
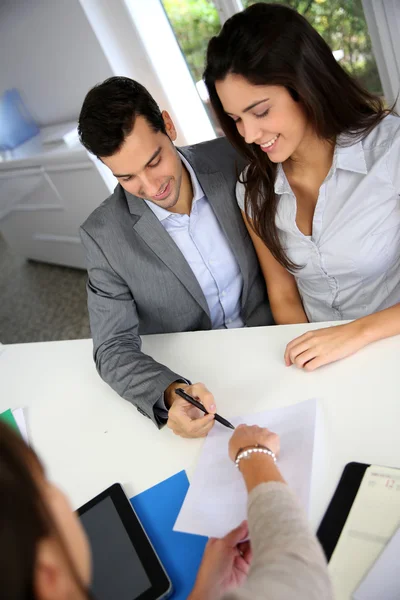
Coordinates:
[51,53]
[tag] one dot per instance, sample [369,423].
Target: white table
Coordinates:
[89,438]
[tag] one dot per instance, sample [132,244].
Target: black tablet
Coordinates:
[337,512]
[125,564]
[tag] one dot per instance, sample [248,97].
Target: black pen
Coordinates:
[198,405]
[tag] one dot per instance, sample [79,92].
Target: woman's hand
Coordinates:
[225,565]
[259,467]
[316,348]
[250,435]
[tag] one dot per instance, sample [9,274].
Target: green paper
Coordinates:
[8,417]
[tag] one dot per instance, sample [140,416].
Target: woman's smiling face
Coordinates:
[265,115]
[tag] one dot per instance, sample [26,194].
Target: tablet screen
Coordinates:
[117,569]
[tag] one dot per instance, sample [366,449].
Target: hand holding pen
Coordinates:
[184,419]
[200,406]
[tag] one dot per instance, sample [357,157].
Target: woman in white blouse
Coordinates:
[321,194]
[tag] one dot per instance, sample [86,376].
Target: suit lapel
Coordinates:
[219,196]
[160,242]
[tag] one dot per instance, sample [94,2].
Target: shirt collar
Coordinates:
[198,193]
[348,158]
[281,183]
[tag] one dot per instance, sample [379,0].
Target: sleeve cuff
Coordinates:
[160,409]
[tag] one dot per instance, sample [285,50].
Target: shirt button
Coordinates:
[229,321]
[224,294]
[210,262]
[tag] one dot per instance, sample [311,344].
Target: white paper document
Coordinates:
[18,414]
[372,521]
[383,580]
[216,501]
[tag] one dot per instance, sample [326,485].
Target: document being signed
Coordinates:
[217,500]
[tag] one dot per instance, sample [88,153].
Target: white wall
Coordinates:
[122,45]
[49,52]
[138,41]
[54,51]
[167,62]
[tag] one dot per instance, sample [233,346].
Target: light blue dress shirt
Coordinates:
[203,243]
[351,262]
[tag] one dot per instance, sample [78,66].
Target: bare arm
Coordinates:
[380,325]
[283,294]
[322,346]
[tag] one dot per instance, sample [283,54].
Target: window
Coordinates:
[342,25]
[194,22]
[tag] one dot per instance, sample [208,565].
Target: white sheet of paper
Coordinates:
[216,501]
[383,579]
[372,521]
[19,417]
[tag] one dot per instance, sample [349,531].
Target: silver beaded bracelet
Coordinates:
[253,450]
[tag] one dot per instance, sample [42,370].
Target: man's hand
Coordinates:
[225,565]
[322,346]
[183,418]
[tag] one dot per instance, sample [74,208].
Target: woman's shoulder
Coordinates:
[382,147]
[384,134]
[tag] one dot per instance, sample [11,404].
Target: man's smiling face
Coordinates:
[148,165]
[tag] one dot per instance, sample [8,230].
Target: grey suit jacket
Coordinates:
[140,283]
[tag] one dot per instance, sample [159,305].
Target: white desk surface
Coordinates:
[89,438]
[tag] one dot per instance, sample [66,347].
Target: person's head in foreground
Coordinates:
[121,123]
[278,93]
[44,553]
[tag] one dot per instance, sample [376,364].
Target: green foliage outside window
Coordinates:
[340,22]
[342,25]
[194,23]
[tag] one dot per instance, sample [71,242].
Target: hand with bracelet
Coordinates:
[254,451]
[226,561]
[286,560]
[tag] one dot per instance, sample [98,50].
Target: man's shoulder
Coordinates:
[217,145]
[111,210]
[218,154]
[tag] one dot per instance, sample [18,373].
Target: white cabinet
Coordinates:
[44,198]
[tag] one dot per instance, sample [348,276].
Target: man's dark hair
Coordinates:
[109,112]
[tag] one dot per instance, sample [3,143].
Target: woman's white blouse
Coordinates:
[351,262]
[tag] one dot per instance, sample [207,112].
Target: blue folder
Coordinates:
[180,553]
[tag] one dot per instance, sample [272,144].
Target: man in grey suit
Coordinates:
[167,251]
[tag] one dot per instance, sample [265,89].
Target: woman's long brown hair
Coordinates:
[24,518]
[271,44]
